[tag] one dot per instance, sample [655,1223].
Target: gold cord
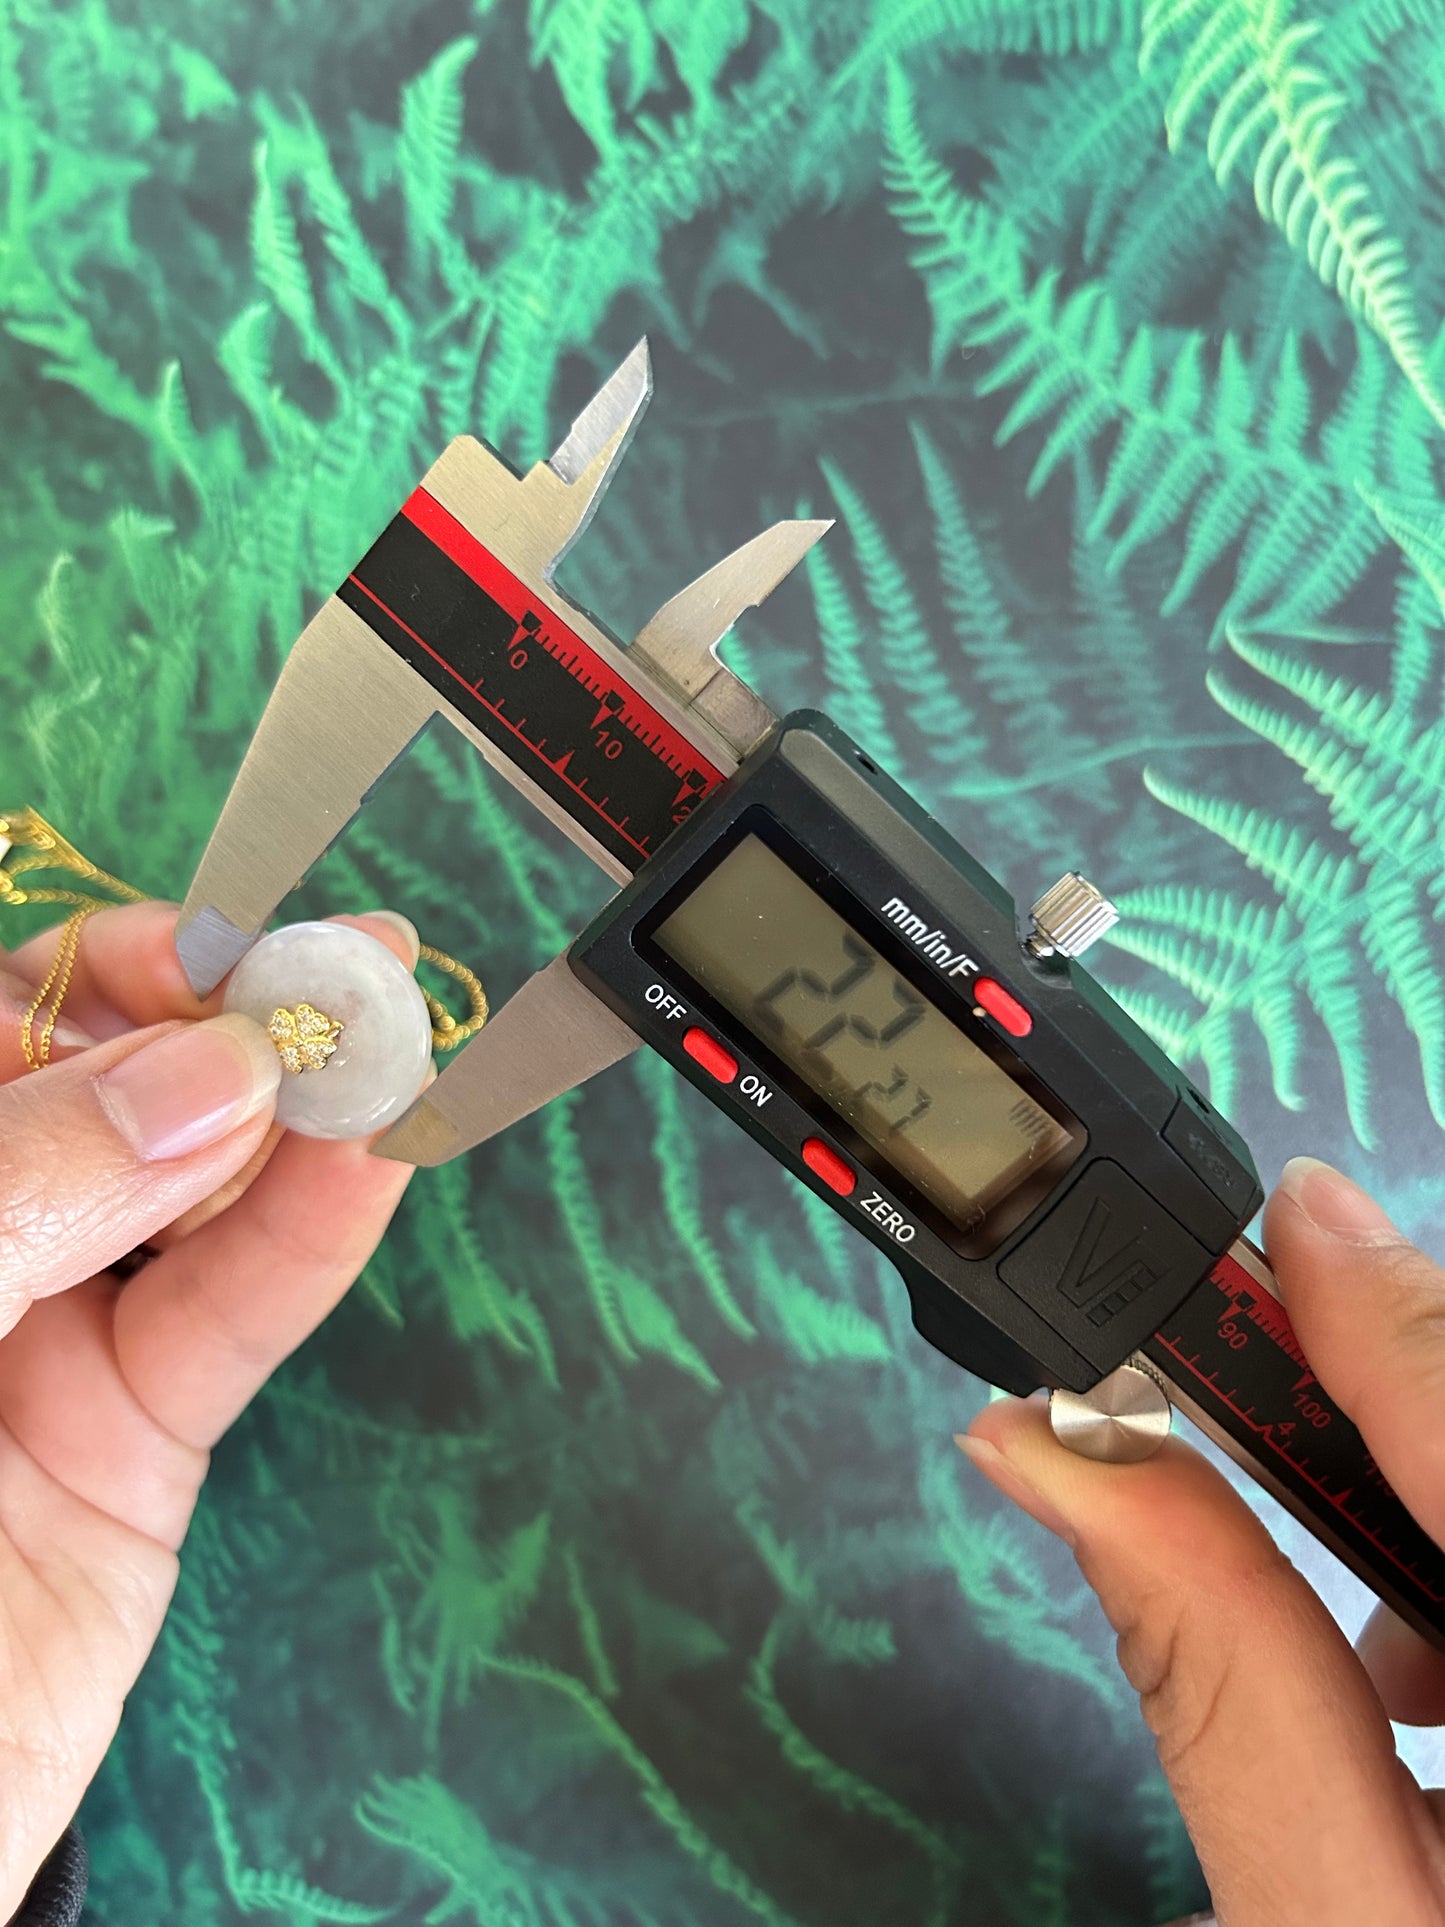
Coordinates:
[28,843]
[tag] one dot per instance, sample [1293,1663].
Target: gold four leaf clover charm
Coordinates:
[304,1037]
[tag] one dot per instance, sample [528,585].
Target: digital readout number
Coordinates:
[842,1044]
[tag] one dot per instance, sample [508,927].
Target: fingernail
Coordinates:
[403,925]
[1334,1204]
[71,1037]
[16,996]
[192,1088]
[1379,1635]
[1006,1477]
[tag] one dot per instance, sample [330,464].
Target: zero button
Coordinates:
[825,1163]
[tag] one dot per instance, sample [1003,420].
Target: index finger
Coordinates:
[127,975]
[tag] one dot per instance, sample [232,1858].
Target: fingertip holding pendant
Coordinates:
[348,1020]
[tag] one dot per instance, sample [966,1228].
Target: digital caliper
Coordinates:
[805,944]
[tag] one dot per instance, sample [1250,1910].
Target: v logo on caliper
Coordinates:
[1087,1276]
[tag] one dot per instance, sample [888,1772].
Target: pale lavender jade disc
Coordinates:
[385,1044]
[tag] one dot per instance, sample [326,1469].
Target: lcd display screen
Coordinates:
[949,1119]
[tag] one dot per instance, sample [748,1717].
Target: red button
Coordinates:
[1005,1009]
[710,1054]
[830,1167]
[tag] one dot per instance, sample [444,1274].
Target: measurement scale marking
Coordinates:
[581,661]
[499,655]
[496,709]
[1395,1537]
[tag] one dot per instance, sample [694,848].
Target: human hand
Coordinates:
[111,1397]
[1274,1735]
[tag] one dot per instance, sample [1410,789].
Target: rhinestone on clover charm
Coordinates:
[305,1039]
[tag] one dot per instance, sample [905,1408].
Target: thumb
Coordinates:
[98,1153]
[1277,1749]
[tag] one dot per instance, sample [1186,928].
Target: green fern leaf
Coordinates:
[582,40]
[1418,525]
[981,624]
[589,1627]
[1276,111]
[677,1163]
[583,1217]
[1082,150]
[700,39]
[845,1788]
[652,181]
[205,90]
[815,1327]
[910,662]
[1174,231]
[1206,447]
[361,272]
[1244,961]
[1415,664]
[1052,27]
[281,268]
[654,1326]
[854,696]
[1356,907]
[244,353]
[431,132]
[175,433]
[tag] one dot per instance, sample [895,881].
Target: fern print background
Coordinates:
[606,1559]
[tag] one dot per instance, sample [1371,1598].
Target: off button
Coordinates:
[708,1052]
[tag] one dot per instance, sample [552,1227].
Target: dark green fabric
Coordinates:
[607,1560]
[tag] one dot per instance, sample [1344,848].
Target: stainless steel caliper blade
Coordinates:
[549,1037]
[364,679]
[554,1034]
[453,613]
[680,643]
[342,712]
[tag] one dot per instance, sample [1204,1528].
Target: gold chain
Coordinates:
[28,843]
[53,990]
[447,1033]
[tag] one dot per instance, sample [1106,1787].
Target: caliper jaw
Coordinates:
[346,707]
[549,1037]
[348,704]
[533,520]
[342,712]
[679,645]
[553,1034]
